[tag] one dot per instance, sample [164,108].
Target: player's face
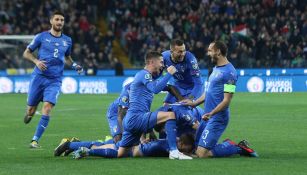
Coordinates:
[158,66]
[213,53]
[178,53]
[57,22]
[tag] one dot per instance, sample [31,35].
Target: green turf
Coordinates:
[275,125]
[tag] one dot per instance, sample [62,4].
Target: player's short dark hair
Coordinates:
[176,42]
[57,12]
[187,139]
[221,46]
[150,55]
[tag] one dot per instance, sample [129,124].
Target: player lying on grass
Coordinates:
[157,148]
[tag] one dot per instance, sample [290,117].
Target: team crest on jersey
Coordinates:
[194,65]
[182,68]
[65,43]
[148,76]
[125,99]
[56,44]
[187,117]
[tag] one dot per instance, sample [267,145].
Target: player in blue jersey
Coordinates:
[116,112]
[187,79]
[217,98]
[139,119]
[187,119]
[157,148]
[54,49]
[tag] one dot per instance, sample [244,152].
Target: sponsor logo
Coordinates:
[6,85]
[21,86]
[69,85]
[279,85]
[255,84]
[93,87]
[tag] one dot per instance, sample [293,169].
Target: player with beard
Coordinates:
[187,79]
[217,98]
[54,49]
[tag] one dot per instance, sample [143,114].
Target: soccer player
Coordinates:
[157,148]
[217,98]
[187,79]
[139,119]
[116,112]
[54,48]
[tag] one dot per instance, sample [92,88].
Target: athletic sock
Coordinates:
[107,153]
[171,132]
[77,145]
[225,149]
[41,126]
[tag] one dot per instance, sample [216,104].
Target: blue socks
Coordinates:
[225,149]
[171,132]
[76,145]
[42,125]
[107,153]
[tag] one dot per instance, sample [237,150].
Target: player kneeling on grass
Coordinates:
[157,148]
[217,98]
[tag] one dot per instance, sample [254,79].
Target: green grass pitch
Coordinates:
[274,124]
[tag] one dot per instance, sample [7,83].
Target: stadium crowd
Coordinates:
[24,17]
[275,34]
[275,37]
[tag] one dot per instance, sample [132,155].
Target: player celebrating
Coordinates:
[53,46]
[139,119]
[218,95]
[187,79]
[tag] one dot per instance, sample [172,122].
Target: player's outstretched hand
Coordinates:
[171,69]
[206,116]
[77,68]
[41,65]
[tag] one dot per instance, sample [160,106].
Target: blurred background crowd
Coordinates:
[259,33]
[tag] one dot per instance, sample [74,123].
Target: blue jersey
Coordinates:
[53,50]
[185,117]
[188,74]
[142,89]
[197,113]
[219,80]
[122,101]
[158,148]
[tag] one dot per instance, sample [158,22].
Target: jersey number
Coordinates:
[56,53]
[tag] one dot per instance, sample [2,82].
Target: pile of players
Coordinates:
[185,130]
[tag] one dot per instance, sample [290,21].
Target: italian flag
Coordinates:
[240,29]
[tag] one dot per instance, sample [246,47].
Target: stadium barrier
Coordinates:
[250,80]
